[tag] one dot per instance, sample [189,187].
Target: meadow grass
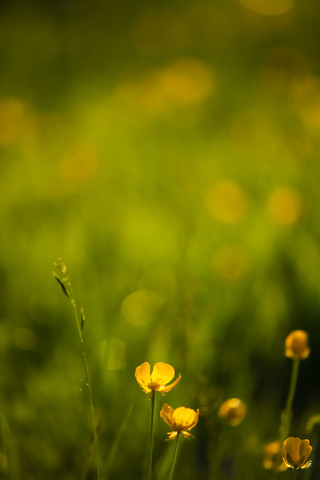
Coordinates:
[287,451]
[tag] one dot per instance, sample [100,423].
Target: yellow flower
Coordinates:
[232,411]
[271,457]
[179,419]
[161,374]
[295,452]
[296,345]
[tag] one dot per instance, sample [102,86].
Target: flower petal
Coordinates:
[185,418]
[172,435]
[195,420]
[305,450]
[295,452]
[186,434]
[167,389]
[285,461]
[166,414]
[296,345]
[142,375]
[292,450]
[180,419]
[162,373]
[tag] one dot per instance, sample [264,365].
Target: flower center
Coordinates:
[154,384]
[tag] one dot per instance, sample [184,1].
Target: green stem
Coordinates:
[292,389]
[175,456]
[293,383]
[63,279]
[286,414]
[294,476]
[88,381]
[153,395]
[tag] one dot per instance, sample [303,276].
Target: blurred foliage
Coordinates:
[169,152]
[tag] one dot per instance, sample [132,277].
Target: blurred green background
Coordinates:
[169,153]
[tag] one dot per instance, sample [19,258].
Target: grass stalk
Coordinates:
[117,440]
[64,282]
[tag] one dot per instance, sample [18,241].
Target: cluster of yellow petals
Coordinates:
[232,411]
[296,345]
[296,452]
[156,381]
[180,419]
[271,458]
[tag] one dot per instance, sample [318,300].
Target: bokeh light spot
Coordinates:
[268,7]
[140,307]
[285,205]
[226,202]
[306,94]
[79,166]
[14,120]
[187,81]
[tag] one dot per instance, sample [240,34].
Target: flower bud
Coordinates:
[296,345]
[296,452]
[232,411]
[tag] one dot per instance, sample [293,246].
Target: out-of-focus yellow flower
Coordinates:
[268,7]
[295,452]
[187,81]
[157,381]
[140,307]
[296,345]
[232,411]
[179,419]
[79,166]
[227,202]
[271,457]
[285,205]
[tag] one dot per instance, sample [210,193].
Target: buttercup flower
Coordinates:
[157,381]
[180,419]
[295,452]
[271,457]
[296,345]
[232,411]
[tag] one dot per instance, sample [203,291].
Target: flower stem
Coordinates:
[292,389]
[175,456]
[286,414]
[151,436]
[89,386]
[294,476]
